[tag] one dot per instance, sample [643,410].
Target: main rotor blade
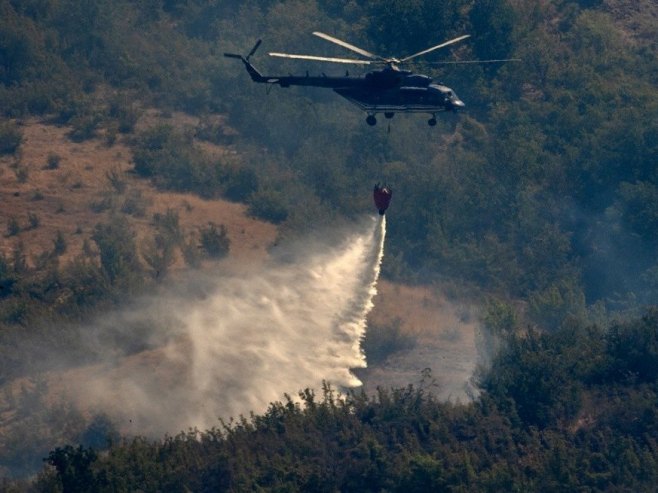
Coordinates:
[435,47]
[344,44]
[322,58]
[460,62]
[253,50]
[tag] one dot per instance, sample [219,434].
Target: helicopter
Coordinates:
[388,90]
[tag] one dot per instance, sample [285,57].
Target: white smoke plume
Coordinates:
[235,344]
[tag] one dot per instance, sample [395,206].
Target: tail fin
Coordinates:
[253,73]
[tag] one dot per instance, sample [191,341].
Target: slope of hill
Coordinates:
[88,181]
[71,187]
[544,191]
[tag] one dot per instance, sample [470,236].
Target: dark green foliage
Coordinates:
[533,376]
[403,28]
[116,180]
[10,137]
[542,191]
[500,318]
[73,466]
[7,279]
[13,227]
[381,341]
[552,306]
[404,440]
[268,205]
[215,241]
[84,127]
[638,205]
[633,349]
[118,251]
[100,434]
[493,21]
[168,226]
[172,160]
[53,161]
[59,244]
[160,255]
[126,114]
[515,194]
[33,220]
[22,174]
[240,184]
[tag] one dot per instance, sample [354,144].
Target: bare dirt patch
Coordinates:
[444,355]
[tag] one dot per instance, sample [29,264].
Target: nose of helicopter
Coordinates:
[457,104]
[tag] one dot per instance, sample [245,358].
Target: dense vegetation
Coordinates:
[574,410]
[545,184]
[543,190]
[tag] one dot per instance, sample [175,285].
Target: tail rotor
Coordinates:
[245,58]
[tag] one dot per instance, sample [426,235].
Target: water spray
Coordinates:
[248,340]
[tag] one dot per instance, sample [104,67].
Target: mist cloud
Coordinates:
[222,346]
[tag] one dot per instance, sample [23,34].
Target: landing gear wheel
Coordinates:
[389,115]
[431,122]
[371,120]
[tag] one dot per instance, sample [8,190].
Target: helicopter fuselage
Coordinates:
[387,91]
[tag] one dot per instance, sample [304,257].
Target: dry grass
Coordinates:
[77,194]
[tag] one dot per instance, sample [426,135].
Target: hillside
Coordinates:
[135,159]
[91,183]
[78,192]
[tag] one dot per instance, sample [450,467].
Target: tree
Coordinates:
[215,241]
[118,251]
[74,468]
[59,244]
[10,137]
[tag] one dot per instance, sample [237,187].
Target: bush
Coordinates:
[10,137]
[240,184]
[268,205]
[173,161]
[126,114]
[53,161]
[135,203]
[117,181]
[215,241]
[34,220]
[84,127]
[118,250]
[382,341]
[22,174]
[59,244]
[13,228]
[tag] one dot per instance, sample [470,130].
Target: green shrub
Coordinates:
[33,219]
[59,243]
[22,174]
[10,137]
[84,127]
[116,179]
[215,241]
[240,184]
[268,205]
[135,203]
[382,341]
[53,161]
[172,160]
[126,114]
[13,228]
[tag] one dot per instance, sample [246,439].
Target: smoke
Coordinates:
[226,346]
